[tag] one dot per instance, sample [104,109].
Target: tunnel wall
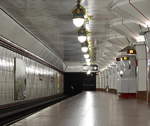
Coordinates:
[40,80]
[120,78]
[108,80]
[76,82]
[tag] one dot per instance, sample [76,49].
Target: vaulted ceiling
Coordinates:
[115,25]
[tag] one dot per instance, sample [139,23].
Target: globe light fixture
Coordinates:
[78,15]
[86,56]
[81,38]
[121,73]
[88,63]
[78,22]
[88,60]
[85,67]
[94,67]
[82,35]
[84,49]
[88,72]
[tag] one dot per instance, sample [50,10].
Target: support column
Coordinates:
[111,77]
[106,80]
[147,36]
[103,81]
[98,81]
[142,71]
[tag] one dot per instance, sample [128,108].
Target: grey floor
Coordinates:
[91,109]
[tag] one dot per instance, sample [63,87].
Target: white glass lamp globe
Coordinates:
[88,63]
[86,56]
[87,60]
[82,38]
[84,49]
[78,22]
[88,72]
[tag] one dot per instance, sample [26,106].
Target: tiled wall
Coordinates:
[41,81]
[108,78]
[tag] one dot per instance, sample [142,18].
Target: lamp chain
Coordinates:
[78,3]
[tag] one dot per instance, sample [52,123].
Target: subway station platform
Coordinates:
[91,109]
[75,62]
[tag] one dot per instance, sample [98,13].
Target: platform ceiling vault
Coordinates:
[115,24]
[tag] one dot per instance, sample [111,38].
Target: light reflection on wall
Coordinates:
[89,119]
[36,70]
[31,69]
[5,63]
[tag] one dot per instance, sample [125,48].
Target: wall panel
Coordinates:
[41,81]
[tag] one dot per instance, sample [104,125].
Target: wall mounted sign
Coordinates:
[131,51]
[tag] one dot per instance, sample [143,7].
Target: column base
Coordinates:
[100,89]
[142,95]
[127,95]
[149,98]
[114,91]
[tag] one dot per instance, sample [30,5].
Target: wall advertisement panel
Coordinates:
[20,79]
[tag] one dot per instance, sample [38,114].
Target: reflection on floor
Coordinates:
[91,109]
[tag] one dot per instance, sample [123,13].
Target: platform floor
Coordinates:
[91,109]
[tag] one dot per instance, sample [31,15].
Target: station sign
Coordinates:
[131,51]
